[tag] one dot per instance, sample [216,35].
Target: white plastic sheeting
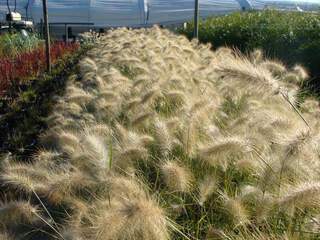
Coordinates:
[62,10]
[117,12]
[140,12]
[166,11]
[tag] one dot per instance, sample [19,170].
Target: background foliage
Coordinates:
[12,45]
[292,37]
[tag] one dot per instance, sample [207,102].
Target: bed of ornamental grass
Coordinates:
[160,138]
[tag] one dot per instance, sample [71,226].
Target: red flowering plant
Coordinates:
[28,65]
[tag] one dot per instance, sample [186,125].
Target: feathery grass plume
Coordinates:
[107,94]
[207,186]
[97,82]
[295,144]
[291,78]
[102,106]
[96,148]
[63,186]
[24,177]
[139,82]
[301,72]
[5,159]
[88,65]
[268,173]
[129,146]
[88,118]
[304,195]
[79,209]
[74,109]
[99,129]
[124,157]
[223,52]
[81,98]
[177,82]
[130,219]
[213,131]
[246,165]
[249,192]
[162,136]
[128,213]
[261,203]
[132,103]
[191,128]
[188,50]
[237,212]
[17,212]
[27,170]
[68,139]
[120,132]
[241,69]
[224,148]
[54,119]
[277,68]
[71,234]
[176,177]
[151,94]
[257,56]
[215,234]
[126,187]
[140,119]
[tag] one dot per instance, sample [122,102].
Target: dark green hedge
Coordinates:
[292,37]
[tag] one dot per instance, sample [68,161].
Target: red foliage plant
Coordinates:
[29,65]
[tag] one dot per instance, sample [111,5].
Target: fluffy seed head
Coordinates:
[206,187]
[176,177]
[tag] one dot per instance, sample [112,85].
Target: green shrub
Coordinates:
[292,37]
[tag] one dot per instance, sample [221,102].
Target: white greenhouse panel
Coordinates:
[116,12]
[63,10]
[162,11]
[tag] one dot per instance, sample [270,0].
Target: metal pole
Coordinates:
[196,19]
[41,29]
[46,34]
[66,32]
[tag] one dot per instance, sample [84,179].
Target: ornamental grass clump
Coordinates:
[161,138]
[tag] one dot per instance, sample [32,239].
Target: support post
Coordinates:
[66,33]
[196,19]
[46,34]
[41,29]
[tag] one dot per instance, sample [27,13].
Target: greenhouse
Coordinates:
[104,13]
